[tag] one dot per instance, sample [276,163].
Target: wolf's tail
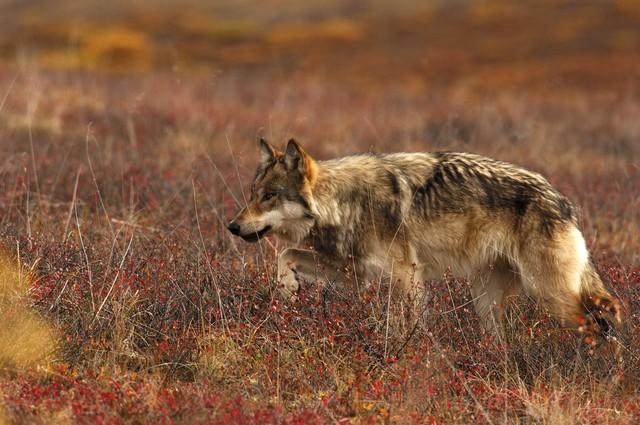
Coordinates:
[602,312]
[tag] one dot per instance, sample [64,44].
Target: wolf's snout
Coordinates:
[234,228]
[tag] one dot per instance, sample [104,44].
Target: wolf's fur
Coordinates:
[413,216]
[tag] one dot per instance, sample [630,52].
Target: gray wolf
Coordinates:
[413,216]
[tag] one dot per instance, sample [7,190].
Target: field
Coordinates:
[124,299]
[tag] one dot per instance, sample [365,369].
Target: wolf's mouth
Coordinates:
[253,237]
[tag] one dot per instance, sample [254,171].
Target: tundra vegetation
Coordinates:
[127,139]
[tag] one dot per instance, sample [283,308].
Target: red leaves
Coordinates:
[376,388]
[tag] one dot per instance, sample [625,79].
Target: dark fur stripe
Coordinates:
[393,183]
[454,182]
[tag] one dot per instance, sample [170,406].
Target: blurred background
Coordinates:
[490,42]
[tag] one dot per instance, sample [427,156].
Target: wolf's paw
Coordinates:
[289,286]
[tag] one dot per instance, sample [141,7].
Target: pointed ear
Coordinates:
[294,157]
[267,153]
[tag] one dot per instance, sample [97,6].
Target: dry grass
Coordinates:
[26,341]
[122,212]
[114,193]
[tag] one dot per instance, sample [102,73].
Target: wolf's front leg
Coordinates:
[296,264]
[411,289]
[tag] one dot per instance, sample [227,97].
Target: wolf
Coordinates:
[415,216]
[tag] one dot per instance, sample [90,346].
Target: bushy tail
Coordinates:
[602,311]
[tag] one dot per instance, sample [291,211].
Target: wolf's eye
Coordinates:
[268,196]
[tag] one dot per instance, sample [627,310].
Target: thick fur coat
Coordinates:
[414,216]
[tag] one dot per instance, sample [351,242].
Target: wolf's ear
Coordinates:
[267,153]
[296,159]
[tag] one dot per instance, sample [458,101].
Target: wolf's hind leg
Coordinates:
[490,288]
[298,264]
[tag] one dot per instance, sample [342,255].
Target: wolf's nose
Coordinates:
[234,228]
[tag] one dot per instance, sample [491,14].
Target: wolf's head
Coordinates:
[281,199]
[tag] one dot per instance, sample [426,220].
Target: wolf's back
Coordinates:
[454,182]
